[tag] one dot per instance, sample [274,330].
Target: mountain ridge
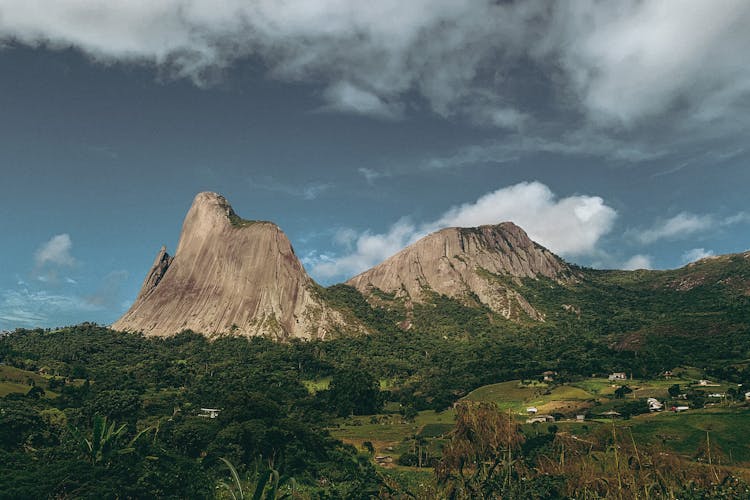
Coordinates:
[232,276]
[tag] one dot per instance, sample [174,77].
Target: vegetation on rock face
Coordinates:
[238,221]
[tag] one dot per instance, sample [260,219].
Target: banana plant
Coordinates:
[266,482]
[105,441]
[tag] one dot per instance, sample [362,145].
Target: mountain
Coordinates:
[241,277]
[476,266]
[230,276]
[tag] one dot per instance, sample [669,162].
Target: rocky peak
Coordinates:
[229,276]
[467,263]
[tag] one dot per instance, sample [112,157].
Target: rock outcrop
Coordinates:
[229,276]
[467,264]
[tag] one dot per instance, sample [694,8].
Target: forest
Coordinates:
[104,414]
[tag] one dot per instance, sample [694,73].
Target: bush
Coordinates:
[408,459]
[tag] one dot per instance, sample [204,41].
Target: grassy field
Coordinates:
[391,435]
[516,397]
[13,387]
[685,433]
[680,433]
[15,380]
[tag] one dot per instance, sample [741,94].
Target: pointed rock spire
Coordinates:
[229,276]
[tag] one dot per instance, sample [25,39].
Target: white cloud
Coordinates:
[638,261]
[568,226]
[315,189]
[371,175]
[55,251]
[679,226]
[369,54]
[696,254]
[343,96]
[578,142]
[686,224]
[634,59]
[345,236]
[369,249]
[26,308]
[623,61]
[738,218]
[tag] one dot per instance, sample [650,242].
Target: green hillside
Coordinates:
[372,415]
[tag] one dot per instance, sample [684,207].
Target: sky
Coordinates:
[614,133]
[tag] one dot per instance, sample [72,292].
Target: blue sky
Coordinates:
[614,133]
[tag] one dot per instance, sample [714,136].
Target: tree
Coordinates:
[18,421]
[482,457]
[674,390]
[354,392]
[367,445]
[621,391]
[35,392]
[410,413]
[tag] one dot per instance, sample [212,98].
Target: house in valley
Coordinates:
[209,412]
[654,404]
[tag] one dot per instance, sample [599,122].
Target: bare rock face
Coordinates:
[467,264]
[229,276]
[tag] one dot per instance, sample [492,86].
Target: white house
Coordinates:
[618,376]
[531,410]
[654,404]
[209,412]
[540,419]
[707,383]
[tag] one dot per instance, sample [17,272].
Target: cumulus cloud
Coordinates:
[568,226]
[622,61]
[696,254]
[56,251]
[633,59]
[368,250]
[638,261]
